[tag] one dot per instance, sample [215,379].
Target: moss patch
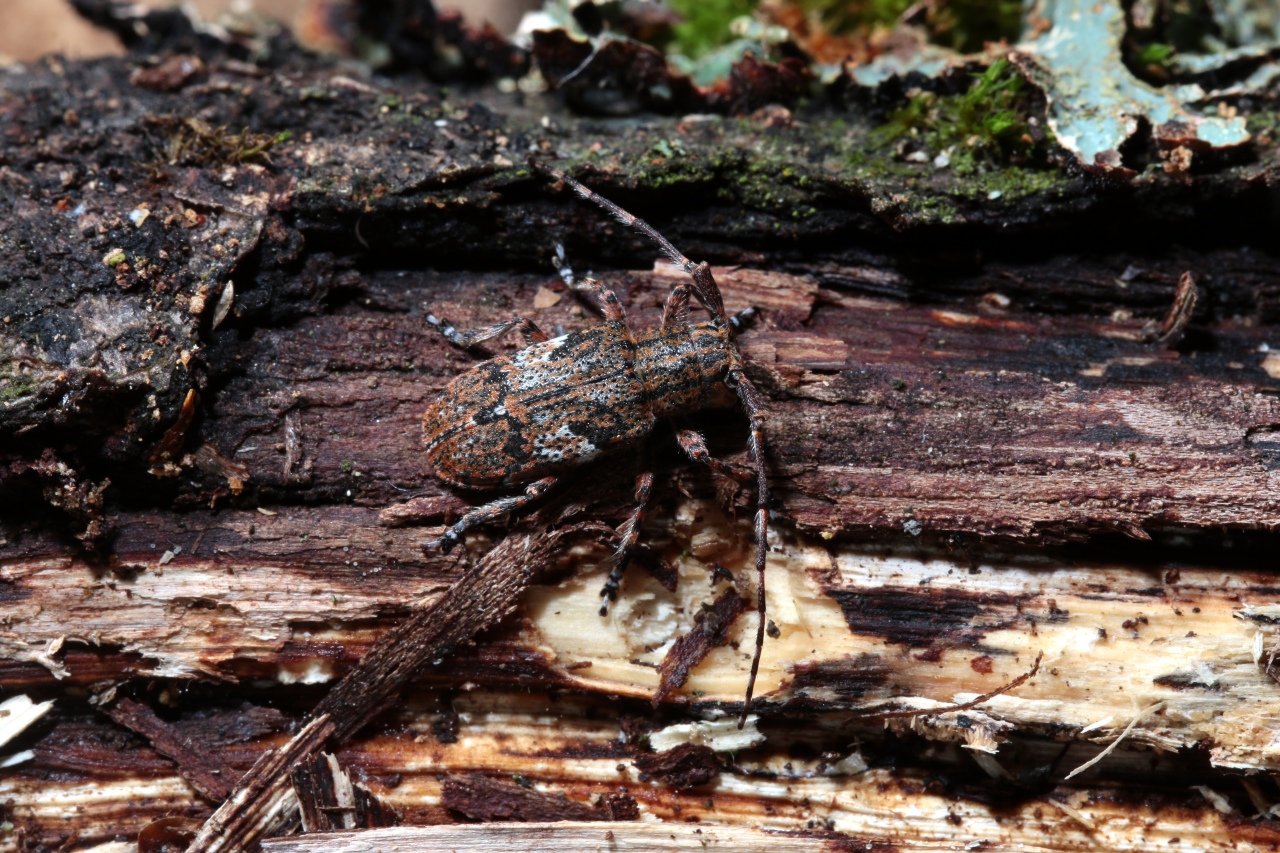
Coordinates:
[985,127]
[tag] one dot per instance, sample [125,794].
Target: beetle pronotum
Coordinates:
[524,418]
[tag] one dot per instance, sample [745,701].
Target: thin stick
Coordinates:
[962,706]
[1141,715]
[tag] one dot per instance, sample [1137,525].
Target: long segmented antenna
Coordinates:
[704,285]
[708,292]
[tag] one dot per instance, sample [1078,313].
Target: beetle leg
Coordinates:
[609,304]
[562,267]
[466,340]
[610,307]
[751,404]
[704,283]
[489,512]
[628,535]
[694,444]
[676,311]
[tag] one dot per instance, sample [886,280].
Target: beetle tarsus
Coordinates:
[446,543]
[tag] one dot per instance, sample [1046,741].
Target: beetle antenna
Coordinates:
[704,285]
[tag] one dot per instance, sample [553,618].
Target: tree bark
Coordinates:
[985,444]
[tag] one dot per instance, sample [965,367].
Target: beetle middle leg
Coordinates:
[490,511]
[629,533]
[465,340]
[694,445]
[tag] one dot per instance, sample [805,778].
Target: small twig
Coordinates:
[1170,330]
[962,706]
[1141,715]
[200,769]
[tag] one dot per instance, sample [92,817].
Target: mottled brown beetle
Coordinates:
[525,418]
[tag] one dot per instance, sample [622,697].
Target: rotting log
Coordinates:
[214,500]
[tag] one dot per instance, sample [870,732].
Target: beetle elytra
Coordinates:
[526,418]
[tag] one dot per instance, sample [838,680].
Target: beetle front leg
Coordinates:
[676,311]
[465,340]
[489,512]
[628,535]
[609,304]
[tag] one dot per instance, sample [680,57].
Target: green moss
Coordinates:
[256,145]
[983,127]
[191,141]
[14,384]
[1014,182]
[667,148]
[841,17]
[813,168]
[1156,53]
[13,390]
[705,24]
[962,25]
[1263,122]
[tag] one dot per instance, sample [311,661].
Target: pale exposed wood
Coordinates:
[1116,638]
[552,838]
[887,806]
[17,713]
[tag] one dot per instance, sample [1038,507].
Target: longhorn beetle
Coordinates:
[526,418]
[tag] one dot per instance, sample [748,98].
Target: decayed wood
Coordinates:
[1029,442]
[328,800]
[17,713]
[264,801]
[964,627]
[480,798]
[537,838]
[846,617]
[225,418]
[888,416]
[563,746]
[856,628]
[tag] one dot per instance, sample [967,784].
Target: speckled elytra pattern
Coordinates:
[560,403]
[525,419]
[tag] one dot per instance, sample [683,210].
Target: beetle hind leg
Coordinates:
[465,340]
[629,533]
[749,397]
[489,512]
